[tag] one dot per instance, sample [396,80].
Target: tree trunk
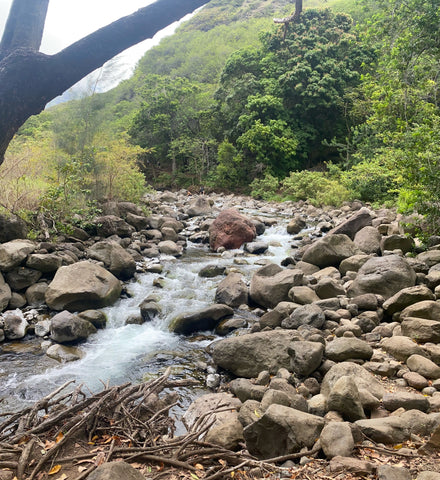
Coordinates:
[29,79]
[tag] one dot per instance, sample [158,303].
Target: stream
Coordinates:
[121,353]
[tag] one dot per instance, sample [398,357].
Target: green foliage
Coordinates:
[315,187]
[230,172]
[265,188]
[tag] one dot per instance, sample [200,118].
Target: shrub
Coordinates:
[266,187]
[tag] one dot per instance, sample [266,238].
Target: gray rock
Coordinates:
[428,475]
[270,285]
[406,400]
[272,397]
[389,472]
[295,225]
[355,466]
[13,253]
[389,430]
[256,248]
[329,288]
[421,330]
[116,470]
[66,327]
[400,347]
[305,357]
[250,412]
[344,398]
[336,439]
[108,225]
[353,263]
[205,319]
[211,271]
[232,291]
[303,295]
[281,431]
[428,309]
[119,262]
[362,218]
[199,206]
[384,276]
[149,310]
[42,328]
[272,319]
[169,233]
[139,222]
[397,242]
[64,354]
[229,325]
[248,355]
[345,348]
[46,263]
[368,240]
[169,247]
[423,366]
[12,228]
[363,379]
[407,296]
[36,294]
[244,390]
[15,325]
[97,318]
[330,250]
[430,257]
[82,286]
[22,277]
[415,380]
[5,293]
[311,315]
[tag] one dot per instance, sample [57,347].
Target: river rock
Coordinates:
[244,390]
[364,380]
[199,206]
[421,330]
[116,470]
[149,310]
[389,472]
[362,218]
[428,309]
[82,286]
[211,271]
[139,222]
[232,291]
[205,319]
[15,325]
[295,225]
[108,225]
[345,348]
[66,327]
[169,233]
[64,354]
[282,430]
[389,430]
[368,240]
[406,400]
[97,318]
[5,294]
[168,247]
[423,366]
[336,439]
[397,242]
[305,357]
[247,355]
[329,288]
[256,248]
[400,347]
[303,295]
[270,284]
[407,296]
[310,314]
[115,258]
[22,277]
[430,257]
[12,228]
[230,230]
[384,276]
[353,263]
[46,263]
[330,250]
[13,253]
[344,398]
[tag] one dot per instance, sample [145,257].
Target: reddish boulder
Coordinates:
[230,230]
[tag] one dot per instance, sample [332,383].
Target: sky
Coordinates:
[70,20]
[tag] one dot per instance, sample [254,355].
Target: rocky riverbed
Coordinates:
[330,352]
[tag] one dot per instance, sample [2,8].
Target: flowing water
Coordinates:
[121,353]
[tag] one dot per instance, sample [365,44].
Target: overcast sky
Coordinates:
[70,20]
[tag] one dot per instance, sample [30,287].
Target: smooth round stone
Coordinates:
[429,391]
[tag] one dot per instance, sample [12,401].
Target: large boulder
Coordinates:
[12,228]
[205,319]
[281,431]
[368,240]
[44,262]
[198,207]
[22,277]
[231,230]
[114,258]
[362,218]
[247,355]
[305,357]
[330,250]
[109,225]
[384,276]
[13,253]
[310,314]
[232,291]
[82,286]
[270,285]
[5,293]
[66,327]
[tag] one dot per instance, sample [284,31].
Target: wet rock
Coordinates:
[281,431]
[232,291]
[115,258]
[13,253]
[330,250]
[230,230]
[15,325]
[66,327]
[97,318]
[337,440]
[149,310]
[229,325]
[247,355]
[384,276]
[270,285]
[36,294]
[82,286]
[211,271]
[64,354]
[205,319]
[256,248]
[345,348]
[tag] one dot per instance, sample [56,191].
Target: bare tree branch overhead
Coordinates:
[30,79]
